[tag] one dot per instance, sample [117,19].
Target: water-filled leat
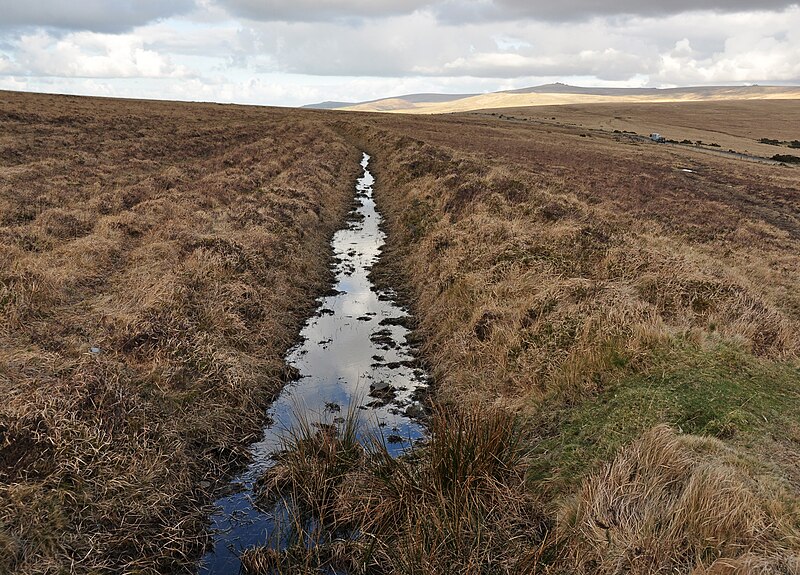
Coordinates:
[353,349]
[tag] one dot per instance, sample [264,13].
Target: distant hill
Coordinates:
[555,94]
[396,102]
[329,105]
[559,88]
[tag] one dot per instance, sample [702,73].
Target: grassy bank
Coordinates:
[644,328]
[156,261]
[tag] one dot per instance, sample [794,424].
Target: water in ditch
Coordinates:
[353,349]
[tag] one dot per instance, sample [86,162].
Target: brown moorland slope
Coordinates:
[156,261]
[743,126]
[560,94]
[636,304]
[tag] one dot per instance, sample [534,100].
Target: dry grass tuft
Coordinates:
[313,461]
[455,504]
[670,503]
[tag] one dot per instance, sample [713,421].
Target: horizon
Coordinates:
[313,51]
[311,105]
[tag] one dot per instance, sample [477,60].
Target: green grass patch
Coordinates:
[724,392]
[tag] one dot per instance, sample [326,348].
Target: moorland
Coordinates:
[612,326]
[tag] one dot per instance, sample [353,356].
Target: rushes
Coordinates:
[458,504]
[314,460]
[455,504]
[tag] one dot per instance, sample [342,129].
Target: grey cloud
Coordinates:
[93,15]
[392,47]
[460,11]
[571,10]
[605,65]
[614,50]
[319,10]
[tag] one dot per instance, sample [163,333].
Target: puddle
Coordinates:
[353,348]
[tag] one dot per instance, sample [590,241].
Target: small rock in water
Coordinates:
[380,386]
[415,411]
[404,321]
[394,439]
[332,407]
[383,392]
[383,339]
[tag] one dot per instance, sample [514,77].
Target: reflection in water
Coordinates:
[350,347]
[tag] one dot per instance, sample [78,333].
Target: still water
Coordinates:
[353,349]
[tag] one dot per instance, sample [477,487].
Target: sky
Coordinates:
[296,52]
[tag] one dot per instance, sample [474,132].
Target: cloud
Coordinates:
[320,10]
[744,59]
[90,55]
[737,47]
[283,53]
[571,10]
[460,11]
[606,64]
[94,15]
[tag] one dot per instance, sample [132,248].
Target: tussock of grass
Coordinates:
[671,503]
[455,504]
[314,459]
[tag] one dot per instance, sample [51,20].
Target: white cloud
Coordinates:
[5,64]
[90,55]
[211,55]
[743,60]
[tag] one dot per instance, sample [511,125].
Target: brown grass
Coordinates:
[564,277]
[525,284]
[573,290]
[186,244]
[671,503]
[456,504]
